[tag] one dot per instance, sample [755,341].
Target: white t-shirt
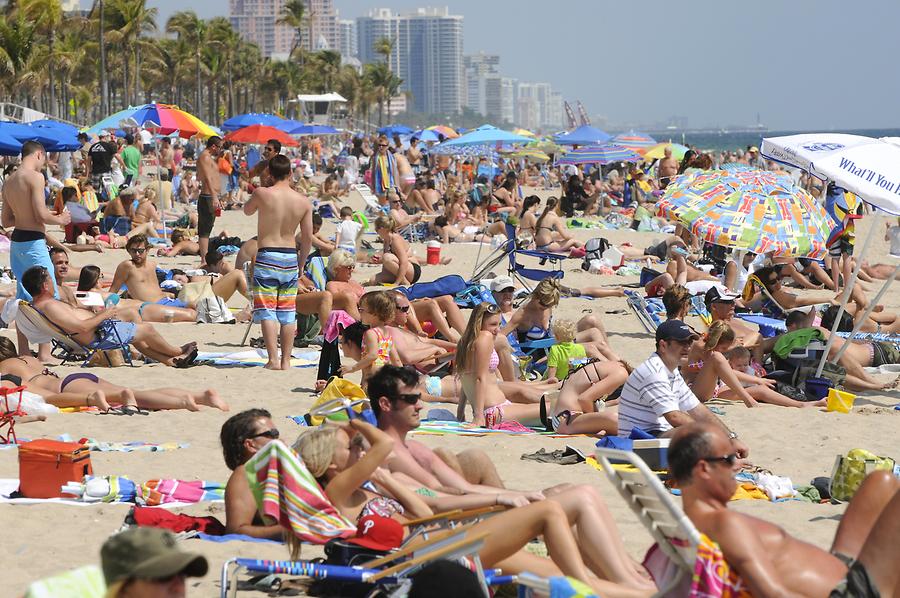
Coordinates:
[347,230]
[651,391]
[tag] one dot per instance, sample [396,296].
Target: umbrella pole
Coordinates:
[872,304]
[159,193]
[848,288]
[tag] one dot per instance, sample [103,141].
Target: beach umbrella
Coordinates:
[752,210]
[583,135]
[487,135]
[66,136]
[658,151]
[260,134]
[547,146]
[599,154]
[313,130]
[806,150]
[634,140]
[524,132]
[241,121]
[9,145]
[426,135]
[395,129]
[532,155]
[164,118]
[736,166]
[22,133]
[446,131]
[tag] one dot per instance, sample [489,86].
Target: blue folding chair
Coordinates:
[510,250]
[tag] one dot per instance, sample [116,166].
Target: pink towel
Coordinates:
[337,321]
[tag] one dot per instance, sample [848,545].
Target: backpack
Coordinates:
[212,310]
[593,250]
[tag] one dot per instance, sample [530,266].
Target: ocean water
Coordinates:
[733,141]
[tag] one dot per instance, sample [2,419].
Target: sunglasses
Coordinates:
[273,434]
[138,250]
[729,459]
[492,309]
[403,308]
[410,398]
[382,145]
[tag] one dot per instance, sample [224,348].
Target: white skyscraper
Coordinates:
[508,95]
[483,84]
[256,21]
[427,54]
[348,38]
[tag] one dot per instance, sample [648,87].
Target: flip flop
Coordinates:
[113,411]
[133,410]
[186,361]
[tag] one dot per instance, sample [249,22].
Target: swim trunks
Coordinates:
[275,278]
[884,353]
[111,332]
[857,584]
[206,216]
[165,302]
[28,248]
[433,386]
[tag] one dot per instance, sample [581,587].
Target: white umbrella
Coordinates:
[868,167]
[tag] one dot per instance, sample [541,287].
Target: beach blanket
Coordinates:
[84,582]
[300,358]
[159,492]
[442,427]
[113,447]
[10,486]
[285,492]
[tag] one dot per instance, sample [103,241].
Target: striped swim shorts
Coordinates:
[275,285]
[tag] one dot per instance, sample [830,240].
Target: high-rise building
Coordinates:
[508,95]
[256,21]
[531,106]
[348,38]
[427,54]
[483,83]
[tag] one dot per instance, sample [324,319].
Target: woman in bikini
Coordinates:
[41,380]
[710,375]
[550,232]
[358,485]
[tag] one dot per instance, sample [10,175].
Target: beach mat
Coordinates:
[441,427]
[300,358]
[100,446]
[10,485]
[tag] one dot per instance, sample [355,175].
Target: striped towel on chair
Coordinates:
[286,492]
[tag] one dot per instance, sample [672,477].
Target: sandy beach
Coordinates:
[45,539]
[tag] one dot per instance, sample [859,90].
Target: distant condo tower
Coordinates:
[256,21]
[427,54]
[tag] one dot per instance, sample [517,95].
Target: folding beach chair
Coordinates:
[510,250]
[770,305]
[674,533]
[373,208]
[65,346]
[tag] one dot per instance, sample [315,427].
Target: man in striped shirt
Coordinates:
[656,398]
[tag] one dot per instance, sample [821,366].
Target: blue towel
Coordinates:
[234,538]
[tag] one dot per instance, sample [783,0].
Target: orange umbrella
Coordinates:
[260,134]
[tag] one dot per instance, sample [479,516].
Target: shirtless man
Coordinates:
[414,155]
[167,159]
[208,202]
[667,169]
[139,275]
[24,208]
[721,307]
[261,168]
[90,329]
[60,260]
[862,560]
[276,271]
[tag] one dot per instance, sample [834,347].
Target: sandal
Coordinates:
[186,361]
[133,410]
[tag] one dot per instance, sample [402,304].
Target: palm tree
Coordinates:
[326,64]
[293,15]
[134,19]
[194,32]
[228,42]
[46,16]
[18,42]
[385,47]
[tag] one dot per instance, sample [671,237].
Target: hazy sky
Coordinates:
[800,64]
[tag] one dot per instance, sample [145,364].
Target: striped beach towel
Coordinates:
[159,492]
[286,492]
[383,173]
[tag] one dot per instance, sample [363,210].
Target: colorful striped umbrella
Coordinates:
[658,151]
[753,210]
[600,154]
[169,119]
[634,140]
[444,130]
[532,155]
[260,134]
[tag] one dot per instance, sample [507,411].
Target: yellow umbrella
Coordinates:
[658,151]
[524,132]
[532,155]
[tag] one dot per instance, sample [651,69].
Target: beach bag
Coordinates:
[224,165]
[832,372]
[338,388]
[45,466]
[593,250]
[344,554]
[212,310]
[445,285]
[850,471]
[192,292]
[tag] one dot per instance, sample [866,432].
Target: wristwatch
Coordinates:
[732,436]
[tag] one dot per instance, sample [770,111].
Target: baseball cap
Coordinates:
[103,133]
[378,533]
[754,149]
[717,295]
[147,553]
[675,330]
[501,283]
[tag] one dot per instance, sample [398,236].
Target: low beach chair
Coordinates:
[654,506]
[770,305]
[65,346]
[510,250]
[373,207]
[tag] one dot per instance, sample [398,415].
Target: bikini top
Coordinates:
[382,506]
[11,378]
[494,362]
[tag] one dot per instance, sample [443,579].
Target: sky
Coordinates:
[799,64]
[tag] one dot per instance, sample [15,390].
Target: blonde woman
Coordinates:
[345,291]
[710,376]
[328,453]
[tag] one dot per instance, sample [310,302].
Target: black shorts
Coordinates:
[206,216]
[417,273]
[857,584]
[843,246]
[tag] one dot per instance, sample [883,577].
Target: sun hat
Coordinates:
[147,553]
[501,283]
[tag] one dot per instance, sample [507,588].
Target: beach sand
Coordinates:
[41,540]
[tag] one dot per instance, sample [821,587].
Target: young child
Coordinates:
[324,247]
[565,350]
[375,345]
[739,360]
[349,231]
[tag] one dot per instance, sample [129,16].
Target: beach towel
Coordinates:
[84,582]
[383,166]
[285,492]
[713,577]
[257,357]
[174,522]
[442,427]
[158,492]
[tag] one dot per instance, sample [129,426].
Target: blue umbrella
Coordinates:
[583,135]
[246,120]
[600,154]
[23,133]
[395,130]
[426,135]
[66,135]
[312,130]
[487,135]
[9,146]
